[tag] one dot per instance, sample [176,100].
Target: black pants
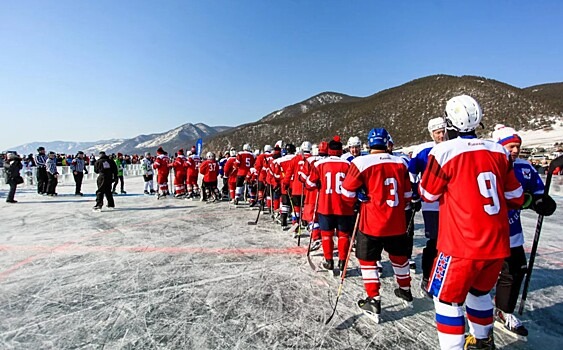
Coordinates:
[430,252]
[119,179]
[42,180]
[12,191]
[78,180]
[51,184]
[225,189]
[510,280]
[104,189]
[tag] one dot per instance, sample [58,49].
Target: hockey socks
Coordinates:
[328,244]
[402,271]
[370,277]
[343,244]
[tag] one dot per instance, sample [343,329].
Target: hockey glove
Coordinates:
[416,205]
[543,205]
[362,197]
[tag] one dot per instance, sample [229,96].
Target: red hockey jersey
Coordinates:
[327,175]
[296,166]
[210,170]
[161,164]
[262,164]
[231,169]
[475,184]
[245,161]
[385,179]
[279,170]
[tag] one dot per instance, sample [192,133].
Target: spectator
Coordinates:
[42,177]
[107,172]
[12,168]
[52,174]
[78,169]
[120,163]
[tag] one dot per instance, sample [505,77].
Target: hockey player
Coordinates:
[162,167]
[210,170]
[120,163]
[78,169]
[514,267]
[42,177]
[222,176]
[280,167]
[381,182]
[148,173]
[476,186]
[245,161]
[231,173]
[334,214]
[273,183]
[180,173]
[291,180]
[354,148]
[309,208]
[192,167]
[261,166]
[417,164]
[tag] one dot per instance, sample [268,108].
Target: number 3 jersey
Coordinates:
[385,179]
[327,175]
[475,184]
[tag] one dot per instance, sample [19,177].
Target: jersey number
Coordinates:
[338,178]
[488,188]
[248,163]
[392,183]
[212,167]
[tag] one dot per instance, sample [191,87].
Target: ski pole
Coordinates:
[339,293]
[558,162]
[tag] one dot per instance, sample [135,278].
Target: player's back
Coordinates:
[331,172]
[245,161]
[475,179]
[385,179]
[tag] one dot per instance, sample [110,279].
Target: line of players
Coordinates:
[479,186]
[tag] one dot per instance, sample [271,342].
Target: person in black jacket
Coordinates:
[42,177]
[12,168]
[107,173]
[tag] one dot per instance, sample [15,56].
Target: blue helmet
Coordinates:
[378,138]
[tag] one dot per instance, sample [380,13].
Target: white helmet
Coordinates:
[233,152]
[315,150]
[246,147]
[210,155]
[463,113]
[436,124]
[189,153]
[256,152]
[306,147]
[354,141]
[267,149]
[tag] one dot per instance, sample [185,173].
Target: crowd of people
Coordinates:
[470,192]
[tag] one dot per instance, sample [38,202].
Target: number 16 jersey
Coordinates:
[475,184]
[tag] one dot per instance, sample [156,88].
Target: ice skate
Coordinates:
[315,245]
[472,343]
[412,265]
[97,209]
[379,268]
[328,265]
[371,307]
[146,192]
[123,192]
[341,264]
[405,295]
[510,324]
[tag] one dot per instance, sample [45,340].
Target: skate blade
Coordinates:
[407,304]
[500,326]
[374,317]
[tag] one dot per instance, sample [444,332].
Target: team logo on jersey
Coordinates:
[526,173]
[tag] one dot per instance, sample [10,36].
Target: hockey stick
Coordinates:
[255,222]
[343,274]
[557,162]
[311,234]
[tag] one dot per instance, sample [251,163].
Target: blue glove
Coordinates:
[362,197]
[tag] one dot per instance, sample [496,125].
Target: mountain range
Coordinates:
[403,110]
[183,136]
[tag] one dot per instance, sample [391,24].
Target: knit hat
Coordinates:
[160,150]
[505,135]
[193,149]
[119,154]
[181,151]
[335,146]
[323,148]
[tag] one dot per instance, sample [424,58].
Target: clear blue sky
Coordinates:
[89,70]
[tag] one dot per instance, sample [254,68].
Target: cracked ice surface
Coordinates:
[175,274]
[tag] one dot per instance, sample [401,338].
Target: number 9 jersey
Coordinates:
[385,179]
[475,184]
